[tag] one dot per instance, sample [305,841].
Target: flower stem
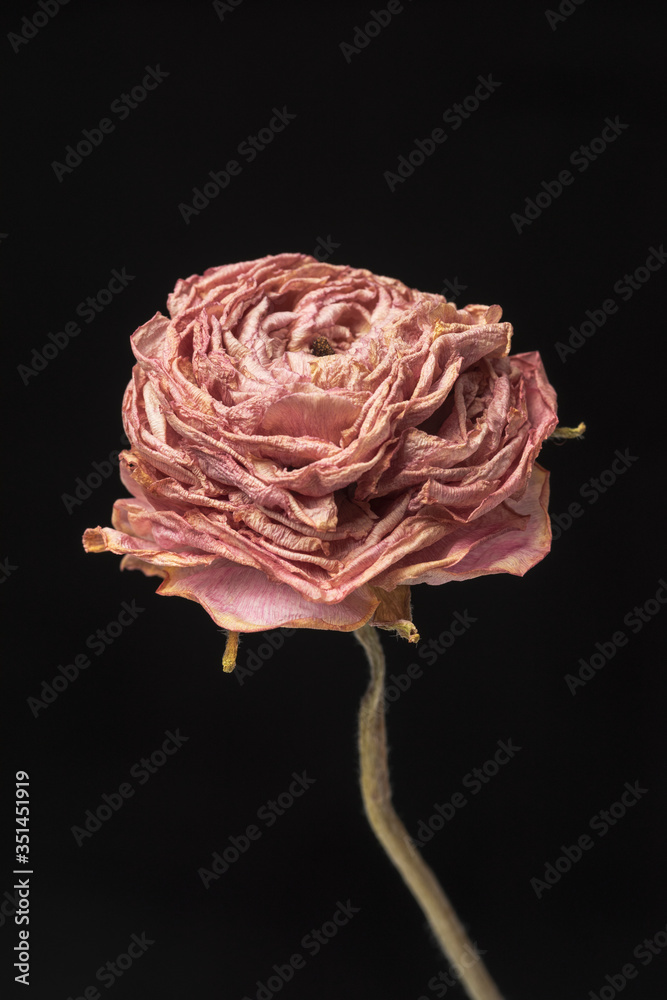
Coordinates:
[376,793]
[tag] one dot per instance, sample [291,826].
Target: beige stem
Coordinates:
[376,793]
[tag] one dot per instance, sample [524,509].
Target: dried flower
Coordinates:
[310,440]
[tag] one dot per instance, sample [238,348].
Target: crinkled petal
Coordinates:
[243,599]
[512,539]
[275,485]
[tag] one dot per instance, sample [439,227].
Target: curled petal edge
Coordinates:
[223,588]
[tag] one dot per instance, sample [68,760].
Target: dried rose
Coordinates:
[309,440]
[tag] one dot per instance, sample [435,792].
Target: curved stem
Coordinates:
[376,793]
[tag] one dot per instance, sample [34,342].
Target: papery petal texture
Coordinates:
[279,487]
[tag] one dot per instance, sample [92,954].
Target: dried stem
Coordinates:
[376,793]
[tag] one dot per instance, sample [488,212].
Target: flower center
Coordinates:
[321,347]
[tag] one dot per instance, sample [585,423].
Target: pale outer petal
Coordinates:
[242,599]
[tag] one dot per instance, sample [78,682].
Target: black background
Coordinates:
[322,179]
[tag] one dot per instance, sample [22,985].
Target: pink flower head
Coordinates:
[309,440]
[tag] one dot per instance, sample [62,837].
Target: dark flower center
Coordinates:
[321,347]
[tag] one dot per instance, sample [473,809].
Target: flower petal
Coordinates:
[243,599]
